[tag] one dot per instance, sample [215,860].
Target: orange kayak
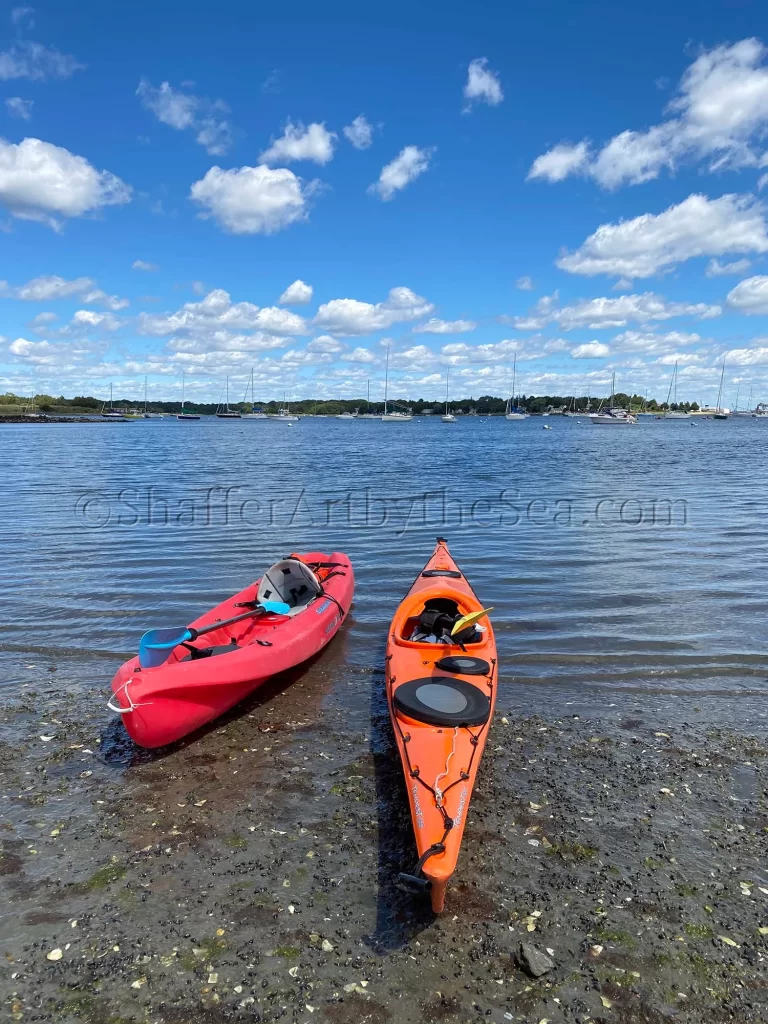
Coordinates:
[441,689]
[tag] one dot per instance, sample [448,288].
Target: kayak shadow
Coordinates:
[117,747]
[400,916]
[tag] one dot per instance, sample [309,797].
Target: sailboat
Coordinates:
[677,414]
[572,410]
[392,417]
[284,414]
[743,412]
[185,415]
[111,413]
[368,415]
[615,415]
[253,415]
[448,417]
[226,413]
[720,413]
[513,412]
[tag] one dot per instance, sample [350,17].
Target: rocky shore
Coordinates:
[614,869]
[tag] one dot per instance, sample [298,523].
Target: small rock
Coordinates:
[533,961]
[55,954]
[326,946]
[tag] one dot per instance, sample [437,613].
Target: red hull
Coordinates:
[165,703]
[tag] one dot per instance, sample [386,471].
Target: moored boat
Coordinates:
[441,690]
[204,672]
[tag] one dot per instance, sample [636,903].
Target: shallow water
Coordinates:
[627,574]
[631,559]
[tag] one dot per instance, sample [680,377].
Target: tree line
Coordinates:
[483,406]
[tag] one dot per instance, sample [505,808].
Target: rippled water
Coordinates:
[630,560]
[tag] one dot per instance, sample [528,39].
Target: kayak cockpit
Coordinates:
[429,616]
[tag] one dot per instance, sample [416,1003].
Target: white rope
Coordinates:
[131,705]
[442,775]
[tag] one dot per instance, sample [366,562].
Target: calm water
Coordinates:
[631,560]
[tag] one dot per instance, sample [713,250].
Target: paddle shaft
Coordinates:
[224,622]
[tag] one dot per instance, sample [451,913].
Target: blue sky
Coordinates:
[233,189]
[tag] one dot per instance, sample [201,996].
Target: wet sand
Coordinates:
[248,874]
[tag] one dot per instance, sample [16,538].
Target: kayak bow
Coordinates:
[441,698]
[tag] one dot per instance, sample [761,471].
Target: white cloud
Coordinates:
[435,326]
[296,294]
[17,107]
[87,318]
[482,84]
[525,284]
[253,200]
[182,110]
[717,269]
[591,350]
[746,356]
[325,343]
[360,355]
[314,143]
[350,317]
[560,161]
[41,319]
[51,287]
[683,358]
[22,347]
[721,110]
[359,133]
[405,168]
[654,243]
[604,312]
[36,62]
[650,343]
[39,181]
[750,296]
[217,312]
[44,289]
[108,301]
[143,265]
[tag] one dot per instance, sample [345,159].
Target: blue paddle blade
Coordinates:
[156,645]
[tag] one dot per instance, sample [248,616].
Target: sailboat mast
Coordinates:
[183,372]
[514,377]
[447,372]
[386,381]
[720,390]
[368,399]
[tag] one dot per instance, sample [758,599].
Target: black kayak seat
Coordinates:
[464,665]
[441,700]
[451,573]
[211,652]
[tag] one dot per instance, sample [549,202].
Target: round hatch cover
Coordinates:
[440,700]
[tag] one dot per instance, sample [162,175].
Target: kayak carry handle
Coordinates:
[413,884]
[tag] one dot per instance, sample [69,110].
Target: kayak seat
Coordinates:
[440,700]
[452,573]
[292,582]
[464,665]
[211,652]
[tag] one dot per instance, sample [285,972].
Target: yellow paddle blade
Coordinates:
[469,620]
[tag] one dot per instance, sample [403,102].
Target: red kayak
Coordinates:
[205,676]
